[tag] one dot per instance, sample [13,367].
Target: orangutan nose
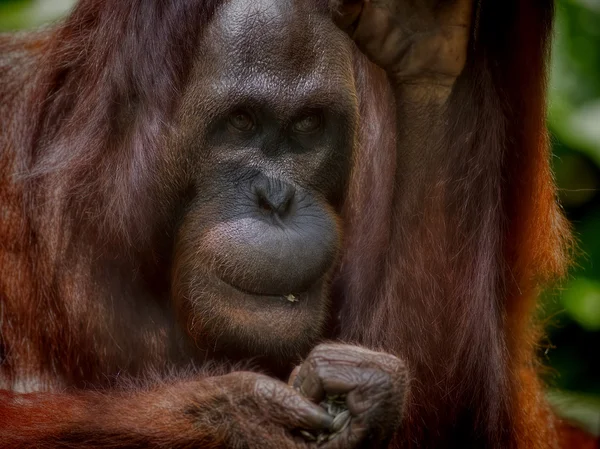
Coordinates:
[274,196]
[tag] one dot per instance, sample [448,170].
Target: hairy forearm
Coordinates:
[240,409]
[421,117]
[150,418]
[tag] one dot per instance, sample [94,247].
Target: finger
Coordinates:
[346,14]
[345,355]
[315,382]
[293,375]
[326,370]
[308,383]
[305,414]
[376,34]
[363,400]
[295,411]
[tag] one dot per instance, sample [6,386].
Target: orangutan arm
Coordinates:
[242,408]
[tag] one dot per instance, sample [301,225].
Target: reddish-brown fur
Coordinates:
[445,249]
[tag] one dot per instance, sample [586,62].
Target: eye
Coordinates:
[307,124]
[241,121]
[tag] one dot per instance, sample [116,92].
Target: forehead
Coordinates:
[285,48]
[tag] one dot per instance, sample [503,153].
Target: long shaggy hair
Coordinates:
[446,246]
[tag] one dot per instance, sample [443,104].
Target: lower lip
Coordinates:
[290,298]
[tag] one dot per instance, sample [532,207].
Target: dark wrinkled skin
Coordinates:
[265,224]
[414,41]
[373,384]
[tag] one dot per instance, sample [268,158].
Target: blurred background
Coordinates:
[571,312]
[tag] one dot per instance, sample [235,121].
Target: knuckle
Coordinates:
[326,348]
[266,387]
[340,352]
[375,381]
[389,363]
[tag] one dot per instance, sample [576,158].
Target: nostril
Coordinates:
[287,205]
[277,201]
[264,204]
[286,199]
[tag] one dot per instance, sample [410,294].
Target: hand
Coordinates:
[257,411]
[365,390]
[413,40]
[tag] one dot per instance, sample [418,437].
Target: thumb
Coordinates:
[346,14]
[293,375]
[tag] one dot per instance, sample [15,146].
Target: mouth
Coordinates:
[289,297]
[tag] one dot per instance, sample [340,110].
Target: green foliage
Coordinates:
[581,300]
[20,14]
[574,120]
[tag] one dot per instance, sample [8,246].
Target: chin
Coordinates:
[222,318]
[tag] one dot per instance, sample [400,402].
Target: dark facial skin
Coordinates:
[254,252]
[268,169]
